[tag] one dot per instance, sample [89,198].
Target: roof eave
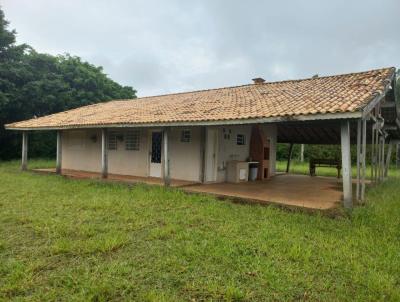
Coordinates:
[379,97]
[281,119]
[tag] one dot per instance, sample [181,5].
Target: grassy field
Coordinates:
[81,240]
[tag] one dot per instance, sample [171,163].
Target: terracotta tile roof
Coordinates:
[332,94]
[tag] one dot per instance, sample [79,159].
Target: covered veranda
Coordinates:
[299,191]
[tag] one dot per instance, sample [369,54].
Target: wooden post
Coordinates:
[381,157]
[373,153]
[302,153]
[376,156]
[378,161]
[59,152]
[289,157]
[358,187]
[167,178]
[388,159]
[398,155]
[346,164]
[363,157]
[104,153]
[24,157]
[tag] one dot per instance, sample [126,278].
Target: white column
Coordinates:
[346,165]
[59,152]
[167,178]
[203,153]
[363,157]
[302,153]
[24,158]
[358,159]
[104,154]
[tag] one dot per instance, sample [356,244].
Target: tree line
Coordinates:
[34,84]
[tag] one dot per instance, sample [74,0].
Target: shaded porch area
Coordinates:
[302,191]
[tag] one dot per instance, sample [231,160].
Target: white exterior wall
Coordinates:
[130,162]
[80,151]
[228,149]
[185,158]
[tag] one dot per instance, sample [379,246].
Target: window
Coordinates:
[112,140]
[227,133]
[241,139]
[186,136]
[132,140]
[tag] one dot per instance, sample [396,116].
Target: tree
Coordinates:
[34,84]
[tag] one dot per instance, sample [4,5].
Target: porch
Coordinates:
[128,179]
[289,190]
[202,163]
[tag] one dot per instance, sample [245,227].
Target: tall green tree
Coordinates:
[34,84]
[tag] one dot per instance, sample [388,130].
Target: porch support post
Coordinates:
[398,155]
[388,159]
[24,157]
[104,154]
[363,157]
[302,153]
[59,152]
[358,160]
[346,164]
[378,158]
[289,157]
[381,157]
[167,178]
[203,153]
[373,152]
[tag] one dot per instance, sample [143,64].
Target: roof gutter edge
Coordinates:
[297,118]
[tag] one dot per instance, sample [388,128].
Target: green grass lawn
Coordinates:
[74,240]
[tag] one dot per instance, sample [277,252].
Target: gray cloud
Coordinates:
[169,46]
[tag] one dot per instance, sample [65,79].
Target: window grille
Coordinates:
[132,140]
[241,139]
[112,140]
[186,136]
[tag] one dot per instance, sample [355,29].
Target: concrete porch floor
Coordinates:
[116,177]
[300,191]
[323,193]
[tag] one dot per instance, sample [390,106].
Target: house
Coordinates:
[210,136]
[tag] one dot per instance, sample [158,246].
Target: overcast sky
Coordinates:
[171,46]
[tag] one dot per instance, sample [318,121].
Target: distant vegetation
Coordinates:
[36,84]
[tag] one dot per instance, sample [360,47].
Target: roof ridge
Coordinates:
[251,85]
[331,76]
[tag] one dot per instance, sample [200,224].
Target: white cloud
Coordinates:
[167,46]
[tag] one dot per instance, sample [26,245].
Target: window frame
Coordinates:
[186,138]
[133,135]
[112,140]
[241,139]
